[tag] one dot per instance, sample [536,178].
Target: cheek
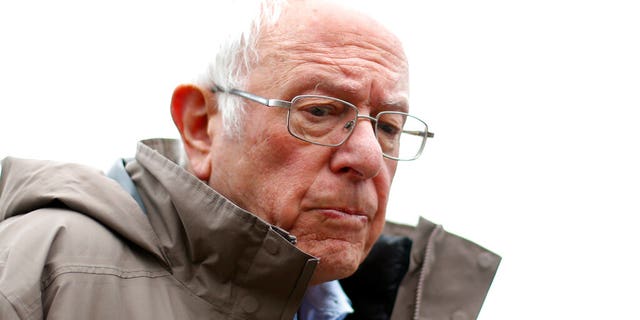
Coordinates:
[290,184]
[391,165]
[382,185]
[283,170]
[377,224]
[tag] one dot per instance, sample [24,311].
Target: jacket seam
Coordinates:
[101,270]
[425,269]
[123,274]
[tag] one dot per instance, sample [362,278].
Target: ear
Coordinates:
[191,115]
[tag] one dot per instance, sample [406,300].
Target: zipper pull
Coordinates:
[289,237]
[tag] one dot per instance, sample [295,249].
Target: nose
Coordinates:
[361,155]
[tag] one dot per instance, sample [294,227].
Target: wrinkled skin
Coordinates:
[332,199]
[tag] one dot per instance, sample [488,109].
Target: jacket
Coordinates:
[75,245]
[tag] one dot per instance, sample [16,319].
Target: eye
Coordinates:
[388,128]
[320,110]
[315,109]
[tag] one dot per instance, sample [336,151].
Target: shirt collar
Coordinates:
[326,301]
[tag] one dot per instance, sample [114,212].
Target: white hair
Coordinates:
[237,54]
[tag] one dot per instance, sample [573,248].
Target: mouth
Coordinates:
[344,214]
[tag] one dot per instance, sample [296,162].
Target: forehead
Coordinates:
[334,49]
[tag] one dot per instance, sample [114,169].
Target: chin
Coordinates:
[337,265]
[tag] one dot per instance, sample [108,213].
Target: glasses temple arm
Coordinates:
[425,134]
[253,97]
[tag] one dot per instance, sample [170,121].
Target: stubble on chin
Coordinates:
[338,258]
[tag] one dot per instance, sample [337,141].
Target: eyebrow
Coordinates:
[398,103]
[390,103]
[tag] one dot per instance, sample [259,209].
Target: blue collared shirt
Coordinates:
[326,301]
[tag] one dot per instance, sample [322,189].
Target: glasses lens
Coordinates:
[321,120]
[401,136]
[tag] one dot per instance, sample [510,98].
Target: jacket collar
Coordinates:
[222,253]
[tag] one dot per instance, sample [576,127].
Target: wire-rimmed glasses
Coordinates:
[329,121]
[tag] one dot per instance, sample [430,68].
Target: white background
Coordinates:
[534,105]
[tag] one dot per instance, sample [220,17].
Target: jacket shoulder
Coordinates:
[53,229]
[448,276]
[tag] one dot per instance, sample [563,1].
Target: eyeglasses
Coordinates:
[328,121]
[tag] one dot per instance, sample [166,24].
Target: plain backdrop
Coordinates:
[534,105]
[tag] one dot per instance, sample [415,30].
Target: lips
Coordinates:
[344,214]
[358,205]
[347,211]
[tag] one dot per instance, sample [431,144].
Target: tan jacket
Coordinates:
[75,245]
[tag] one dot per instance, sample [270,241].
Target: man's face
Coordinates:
[332,199]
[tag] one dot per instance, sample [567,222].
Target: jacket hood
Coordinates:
[28,185]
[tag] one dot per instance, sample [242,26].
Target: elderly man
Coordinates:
[292,141]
